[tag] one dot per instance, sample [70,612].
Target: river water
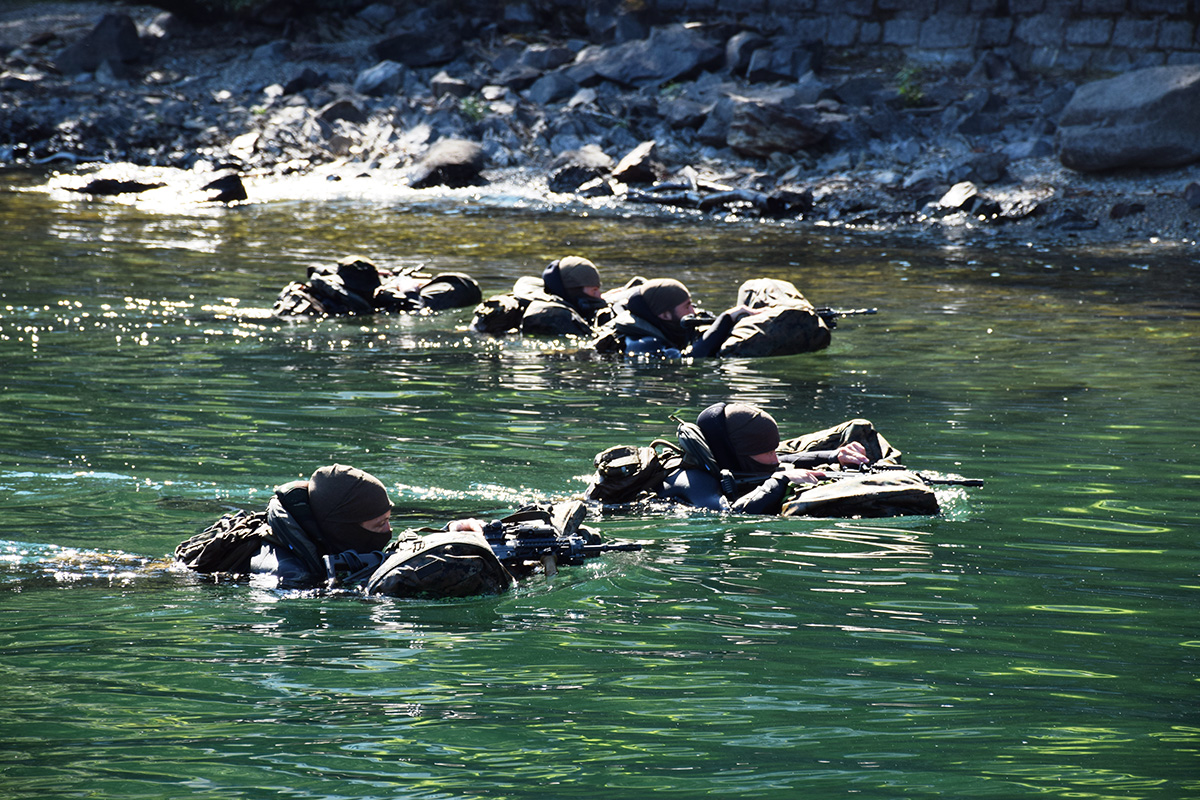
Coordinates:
[1038,639]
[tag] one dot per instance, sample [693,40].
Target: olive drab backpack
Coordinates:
[227,545]
[628,473]
[784,322]
[625,474]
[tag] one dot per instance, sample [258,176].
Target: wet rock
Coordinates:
[1145,118]
[961,197]
[597,187]
[640,165]
[109,187]
[1191,195]
[760,128]
[1070,219]
[114,39]
[228,189]
[575,168]
[384,79]
[455,163]
[668,54]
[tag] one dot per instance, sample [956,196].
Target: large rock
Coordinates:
[760,128]
[451,162]
[384,79]
[669,53]
[114,39]
[1145,118]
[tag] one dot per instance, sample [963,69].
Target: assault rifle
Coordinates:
[931,478]
[830,315]
[702,319]
[518,543]
[731,482]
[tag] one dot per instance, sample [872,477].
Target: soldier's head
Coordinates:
[579,276]
[351,506]
[667,299]
[742,437]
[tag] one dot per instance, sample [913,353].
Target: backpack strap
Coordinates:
[293,497]
[695,446]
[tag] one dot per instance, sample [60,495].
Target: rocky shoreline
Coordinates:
[674,116]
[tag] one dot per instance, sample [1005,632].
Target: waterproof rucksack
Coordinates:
[450,290]
[784,322]
[498,314]
[886,494]
[227,545]
[625,474]
[442,564]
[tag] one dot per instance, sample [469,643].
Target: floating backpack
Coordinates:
[443,564]
[450,290]
[227,545]
[784,323]
[626,473]
[499,314]
[888,494]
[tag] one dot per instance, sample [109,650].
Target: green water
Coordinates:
[1039,639]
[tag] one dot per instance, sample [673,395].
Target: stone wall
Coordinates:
[1071,35]
[1067,35]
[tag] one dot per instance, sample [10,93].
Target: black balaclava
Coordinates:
[342,498]
[736,431]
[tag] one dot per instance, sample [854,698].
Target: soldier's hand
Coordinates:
[852,455]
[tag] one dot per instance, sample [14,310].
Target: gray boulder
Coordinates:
[1145,118]
[114,39]
[669,53]
[759,128]
[783,60]
[640,165]
[384,79]
[551,88]
[451,162]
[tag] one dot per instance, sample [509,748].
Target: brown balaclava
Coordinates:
[751,432]
[578,273]
[342,498]
[663,295]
